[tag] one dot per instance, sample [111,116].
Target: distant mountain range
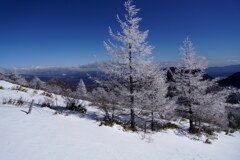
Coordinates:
[74,74]
[224,71]
[68,74]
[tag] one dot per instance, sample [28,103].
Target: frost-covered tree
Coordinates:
[13,76]
[70,97]
[2,74]
[210,106]
[53,88]
[189,80]
[107,101]
[36,83]
[189,59]
[17,78]
[100,97]
[81,89]
[22,81]
[232,98]
[155,90]
[130,58]
[199,97]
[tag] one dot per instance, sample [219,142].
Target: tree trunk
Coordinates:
[152,122]
[107,116]
[133,125]
[131,89]
[191,127]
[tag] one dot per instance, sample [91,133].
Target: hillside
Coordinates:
[233,80]
[43,134]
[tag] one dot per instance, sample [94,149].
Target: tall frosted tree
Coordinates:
[190,60]
[130,58]
[189,80]
[200,97]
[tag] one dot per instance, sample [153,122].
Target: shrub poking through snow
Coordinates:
[20,102]
[229,131]
[7,101]
[77,107]
[168,125]
[58,112]
[47,102]
[110,123]
[208,141]
[208,130]
[72,102]
[19,88]
[1,87]
[35,92]
[47,94]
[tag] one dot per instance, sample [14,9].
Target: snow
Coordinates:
[6,84]
[28,96]
[42,135]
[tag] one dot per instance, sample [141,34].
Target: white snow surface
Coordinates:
[28,96]
[42,135]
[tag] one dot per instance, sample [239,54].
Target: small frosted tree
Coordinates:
[2,77]
[2,74]
[17,78]
[100,97]
[13,76]
[36,83]
[155,91]
[107,101]
[22,81]
[53,88]
[212,105]
[81,89]
[130,58]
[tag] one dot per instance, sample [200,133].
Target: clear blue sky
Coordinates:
[71,32]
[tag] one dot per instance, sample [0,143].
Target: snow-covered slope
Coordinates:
[10,92]
[42,135]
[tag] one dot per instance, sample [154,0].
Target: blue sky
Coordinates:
[71,32]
